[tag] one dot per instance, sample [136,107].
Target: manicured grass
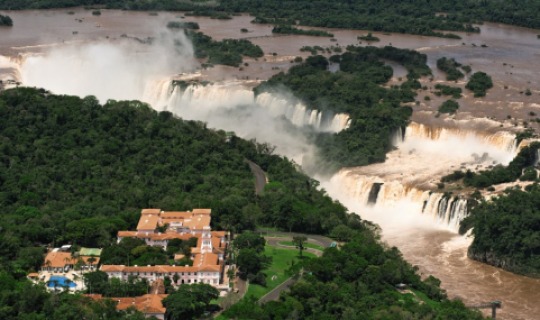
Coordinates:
[306,244]
[275,273]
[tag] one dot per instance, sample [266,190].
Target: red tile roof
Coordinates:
[148,222]
[150,211]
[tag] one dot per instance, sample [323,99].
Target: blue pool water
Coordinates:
[61,282]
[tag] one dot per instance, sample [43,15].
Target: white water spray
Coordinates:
[206,98]
[403,191]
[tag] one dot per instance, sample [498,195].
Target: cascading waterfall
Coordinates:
[408,180]
[10,72]
[165,95]
[300,115]
[442,209]
[502,140]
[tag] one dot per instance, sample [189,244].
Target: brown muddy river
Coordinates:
[511,57]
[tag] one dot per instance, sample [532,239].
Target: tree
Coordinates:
[204,292]
[55,283]
[189,301]
[181,305]
[6,21]
[30,258]
[299,242]
[479,83]
[449,106]
[249,261]
[91,260]
[67,283]
[251,240]
[342,233]
[96,282]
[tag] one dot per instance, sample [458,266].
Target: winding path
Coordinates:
[274,240]
[260,176]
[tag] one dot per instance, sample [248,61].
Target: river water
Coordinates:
[510,56]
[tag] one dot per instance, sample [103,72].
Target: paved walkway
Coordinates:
[260,177]
[275,242]
[276,292]
[313,238]
[274,239]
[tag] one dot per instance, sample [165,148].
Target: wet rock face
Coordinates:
[493,259]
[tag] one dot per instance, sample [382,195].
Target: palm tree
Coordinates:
[91,260]
[79,264]
[55,283]
[67,283]
[299,242]
[67,261]
[48,264]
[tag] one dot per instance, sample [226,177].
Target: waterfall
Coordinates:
[458,142]
[435,208]
[502,140]
[10,71]
[165,95]
[300,115]
[405,186]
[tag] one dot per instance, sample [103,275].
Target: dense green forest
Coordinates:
[357,281]
[376,112]
[415,16]
[79,171]
[519,168]
[506,231]
[288,29]
[73,171]
[21,300]
[505,228]
[227,51]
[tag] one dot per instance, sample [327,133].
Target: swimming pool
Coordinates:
[60,281]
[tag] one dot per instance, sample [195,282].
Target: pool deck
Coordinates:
[74,276]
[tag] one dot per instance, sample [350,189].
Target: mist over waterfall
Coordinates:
[402,191]
[386,202]
[300,115]
[10,69]
[125,69]
[119,69]
[206,98]
[233,106]
[457,142]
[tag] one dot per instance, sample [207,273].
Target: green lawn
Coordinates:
[306,244]
[275,274]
